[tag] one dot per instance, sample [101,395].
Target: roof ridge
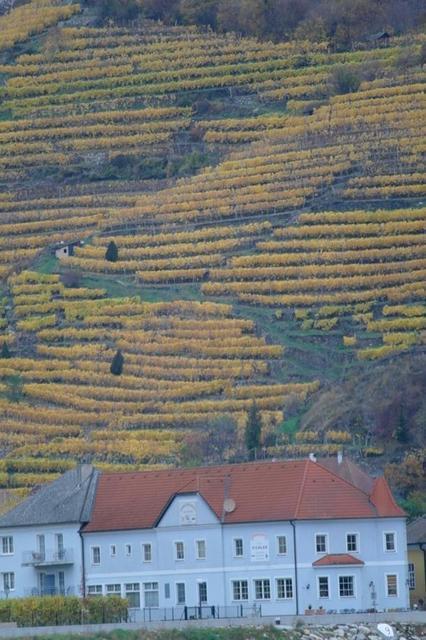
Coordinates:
[302,486]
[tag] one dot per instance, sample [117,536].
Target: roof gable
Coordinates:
[66,500]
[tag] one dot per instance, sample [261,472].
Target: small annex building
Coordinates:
[40,544]
[287,536]
[416,541]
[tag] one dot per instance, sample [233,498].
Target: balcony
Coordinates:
[48,558]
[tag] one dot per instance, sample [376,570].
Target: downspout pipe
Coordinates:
[83,564]
[296,582]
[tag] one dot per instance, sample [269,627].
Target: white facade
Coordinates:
[190,558]
[40,560]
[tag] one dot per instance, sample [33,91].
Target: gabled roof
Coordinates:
[335,559]
[262,491]
[416,531]
[69,499]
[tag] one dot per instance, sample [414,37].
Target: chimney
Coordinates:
[312,457]
[339,457]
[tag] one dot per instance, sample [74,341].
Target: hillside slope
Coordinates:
[265,206]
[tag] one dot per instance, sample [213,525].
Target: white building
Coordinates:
[287,536]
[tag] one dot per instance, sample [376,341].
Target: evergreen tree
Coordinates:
[401,431]
[253,431]
[117,364]
[5,352]
[111,254]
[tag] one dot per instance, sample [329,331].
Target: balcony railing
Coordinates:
[49,557]
[52,591]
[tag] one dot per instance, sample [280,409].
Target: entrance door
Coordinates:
[47,584]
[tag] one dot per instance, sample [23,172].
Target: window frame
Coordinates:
[391,575]
[178,601]
[176,543]
[278,538]
[285,579]
[385,549]
[98,590]
[152,590]
[356,534]
[11,579]
[197,549]
[234,547]
[326,542]
[92,555]
[342,576]
[320,597]
[128,550]
[240,581]
[10,545]
[145,547]
[411,576]
[206,592]
[112,592]
[263,581]
[113,550]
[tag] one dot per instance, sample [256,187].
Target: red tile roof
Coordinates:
[263,491]
[383,499]
[336,559]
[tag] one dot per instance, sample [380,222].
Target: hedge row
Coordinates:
[60,610]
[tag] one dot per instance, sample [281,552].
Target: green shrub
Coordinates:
[58,610]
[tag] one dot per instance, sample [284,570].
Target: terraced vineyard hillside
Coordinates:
[264,206]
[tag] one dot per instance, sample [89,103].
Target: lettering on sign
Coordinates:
[259,547]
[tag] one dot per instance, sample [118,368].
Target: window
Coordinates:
[346,586]
[180,593]
[41,545]
[262,589]
[7,545]
[96,555]
[151,594]
[167,590]
[113,589]
[179,551]
[61,579]
[323,588]
[147,552]
[94,590]
[240,590]
[238,547]
[391,584]
[411,576]
[321,543]
[390,541]
[128,549]
[202,592]
[281,545]
[351,542]
[60,545]
[132,594]
[112,550]
[201,549]
[8,581]
[284,588]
